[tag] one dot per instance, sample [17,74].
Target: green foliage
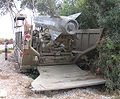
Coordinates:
[68,7]
[88,18]
[109,60]
[42,6]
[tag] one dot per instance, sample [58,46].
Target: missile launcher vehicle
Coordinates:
[53,46]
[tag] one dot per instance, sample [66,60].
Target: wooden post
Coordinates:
[6,50]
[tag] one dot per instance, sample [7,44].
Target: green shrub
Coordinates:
[109,63]
[109,60]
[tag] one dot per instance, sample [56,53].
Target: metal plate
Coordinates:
[63,77]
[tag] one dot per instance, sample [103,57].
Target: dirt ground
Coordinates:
[14,85]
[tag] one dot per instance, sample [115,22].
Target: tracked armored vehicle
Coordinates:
[53,47]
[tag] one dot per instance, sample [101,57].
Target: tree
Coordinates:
[88,18]
[42,6]
[68,7]
[5,5]
[109,60]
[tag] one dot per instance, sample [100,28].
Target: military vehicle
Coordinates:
[54,46]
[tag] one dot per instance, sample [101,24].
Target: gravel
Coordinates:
[14,85]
